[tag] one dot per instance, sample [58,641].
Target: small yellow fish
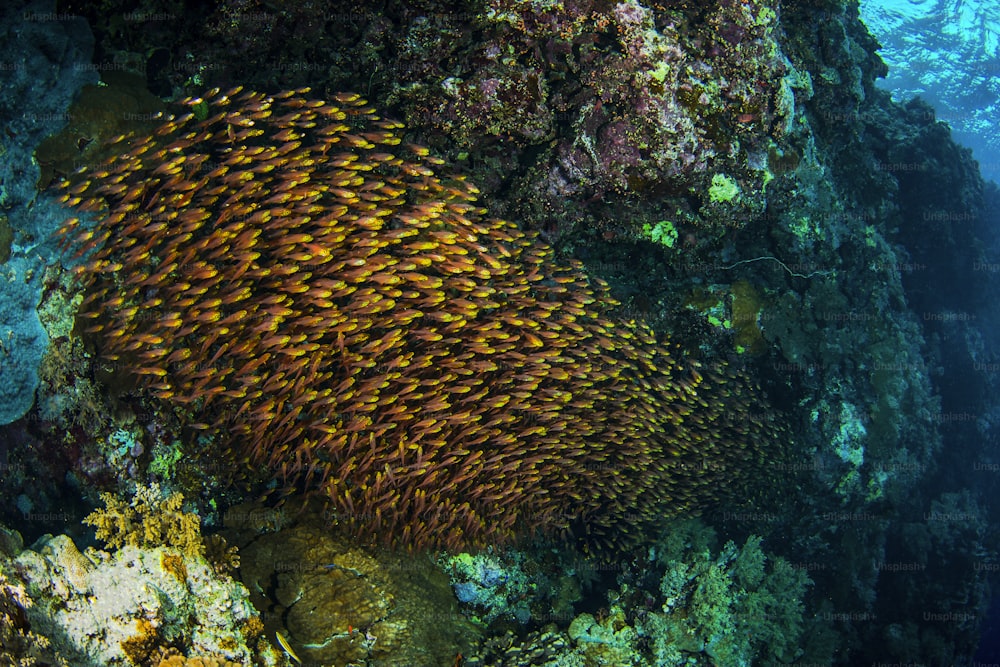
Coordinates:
[286,646]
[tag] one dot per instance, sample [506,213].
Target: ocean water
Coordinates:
[948,52]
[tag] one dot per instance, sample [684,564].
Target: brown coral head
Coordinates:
[325,303]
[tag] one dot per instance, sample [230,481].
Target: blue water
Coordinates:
[948,52]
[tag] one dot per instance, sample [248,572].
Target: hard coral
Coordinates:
[20,646]
[339,604]
[181,661]
[327,305]
[139,646]
[128,607]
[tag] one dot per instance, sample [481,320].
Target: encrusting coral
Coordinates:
[19,646]
[181,661]
[131,606]
[309,289]
[335,603]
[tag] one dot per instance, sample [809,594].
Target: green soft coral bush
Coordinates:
[735,606]
[740,606]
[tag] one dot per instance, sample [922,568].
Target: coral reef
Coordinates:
[609,103]
[338,604]
[737,309]
[494,585]
[19,646]
[119,103]
[691,603]
[311,293]
[133,606]
[181,661]
[730,606]
[574,117]
[224,557]
[44,67]
[149,520]
[729,167]
[936,563]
